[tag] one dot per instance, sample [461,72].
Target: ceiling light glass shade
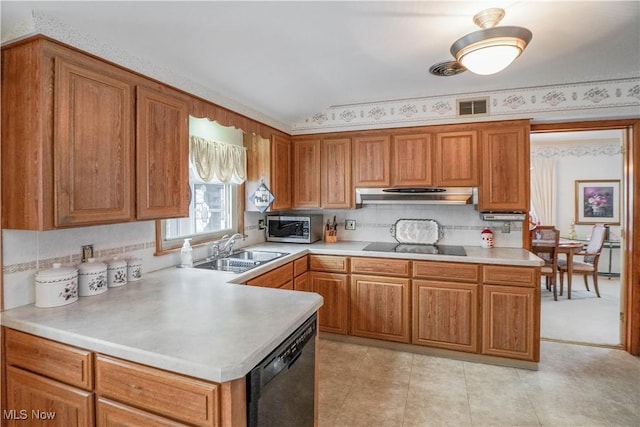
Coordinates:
[490,50]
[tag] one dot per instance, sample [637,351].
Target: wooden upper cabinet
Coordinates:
[306,173]
[336,189]
[93,145]
[505,167]
[281,172]
[371,161]
[67,138]
[79,145]
[412,160]
[162,154]
[456,160]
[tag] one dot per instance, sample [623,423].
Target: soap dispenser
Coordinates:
[186,254]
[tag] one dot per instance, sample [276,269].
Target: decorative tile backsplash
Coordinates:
[26,252]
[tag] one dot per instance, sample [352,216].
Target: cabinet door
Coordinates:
[510,324]
[336,189]
[457,159]
[412,160]
[306,173]
[505,169]
[371,161]
[162,153]
[37,400]
[380,307]
[333,316]
[281,172]
[303,283]
[93,145]
[445,315]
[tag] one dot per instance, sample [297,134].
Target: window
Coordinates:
[214,207]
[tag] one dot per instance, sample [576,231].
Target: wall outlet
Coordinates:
[349,224]
[261,225]
[87,252]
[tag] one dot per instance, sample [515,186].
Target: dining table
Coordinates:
[569,248]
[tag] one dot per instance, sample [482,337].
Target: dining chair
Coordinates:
[544,243]
[589,264]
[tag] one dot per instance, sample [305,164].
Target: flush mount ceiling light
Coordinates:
[491,49]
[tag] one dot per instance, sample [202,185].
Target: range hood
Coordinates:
[414,196]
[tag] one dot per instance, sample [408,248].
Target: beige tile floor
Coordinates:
[575,386]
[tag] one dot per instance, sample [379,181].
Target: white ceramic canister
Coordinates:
[56,286]
[134,269]
[116,273]
[92,278]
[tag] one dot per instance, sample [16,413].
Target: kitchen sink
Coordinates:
[261,256]
[239,262]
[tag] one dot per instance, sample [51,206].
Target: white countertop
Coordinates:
[183,320]
[198,322]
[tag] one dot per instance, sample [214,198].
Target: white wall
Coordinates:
[596,157]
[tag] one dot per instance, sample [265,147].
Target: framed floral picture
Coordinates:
[598,202]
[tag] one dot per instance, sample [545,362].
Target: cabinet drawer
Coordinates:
[185,399]
[274,278]
[61,362]
[446,271]
[112,414]
[337,264]
[510,276]
[300,266]
[381,266]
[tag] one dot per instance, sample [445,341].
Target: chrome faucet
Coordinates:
[222,250]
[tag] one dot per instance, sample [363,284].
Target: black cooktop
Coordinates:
[416,249]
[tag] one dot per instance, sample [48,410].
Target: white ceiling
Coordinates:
[288,60]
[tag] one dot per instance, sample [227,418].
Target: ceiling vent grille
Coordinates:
[473,107]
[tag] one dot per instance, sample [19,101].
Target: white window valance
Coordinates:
[218,160]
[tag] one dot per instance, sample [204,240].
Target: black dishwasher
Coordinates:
[280,389]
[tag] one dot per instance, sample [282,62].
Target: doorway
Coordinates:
[569,161]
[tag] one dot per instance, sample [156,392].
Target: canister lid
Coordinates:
[134,261]
[92,266]
[116,263]
[56,272]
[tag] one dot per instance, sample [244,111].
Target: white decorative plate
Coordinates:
[417,231]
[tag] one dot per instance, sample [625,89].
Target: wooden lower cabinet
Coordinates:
[333,316]
[445,315]
[36,400]
[380,307]
[123,393]
[511,326]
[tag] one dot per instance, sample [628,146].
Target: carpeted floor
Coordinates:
[585,317]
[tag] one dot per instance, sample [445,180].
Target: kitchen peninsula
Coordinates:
[201,328]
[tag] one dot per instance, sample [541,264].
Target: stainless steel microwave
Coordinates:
[294,229]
